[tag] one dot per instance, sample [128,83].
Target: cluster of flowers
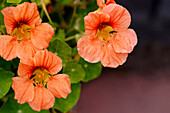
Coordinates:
[28,39]
[107,39]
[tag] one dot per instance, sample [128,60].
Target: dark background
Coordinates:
[142,84]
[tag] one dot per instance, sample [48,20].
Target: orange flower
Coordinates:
[26,33]
[36,74]
[108,38]
[103,3]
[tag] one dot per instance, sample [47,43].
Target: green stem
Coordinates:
[2,3]
[74,12]
[69,38]
[3,32]
[42,13]
[70,30]
[46,12]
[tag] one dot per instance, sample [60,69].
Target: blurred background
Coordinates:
[142,84]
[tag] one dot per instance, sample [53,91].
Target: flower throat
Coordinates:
[40,76]
[21,32]
[105,33]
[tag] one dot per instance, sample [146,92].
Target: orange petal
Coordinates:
[26,49]
[25,70]
[8,47]
[93,20]
[41,35]
[43,99]
[119,17]
[90,48]
[9,18]
[111,58]
[48,60]
[24,89]
[28,13]
[103,3]
[125,41]
[59,85]
[110,2]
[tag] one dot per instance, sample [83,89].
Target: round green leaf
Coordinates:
[65,105]
[92,70]
[75,51]
[14,1]
[36,1]
[74,70]
[11,106]
[61,49]
[5,82]
[6,65]
[60,35]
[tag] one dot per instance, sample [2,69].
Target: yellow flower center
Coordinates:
[40,76]
[21,32]
[105,33]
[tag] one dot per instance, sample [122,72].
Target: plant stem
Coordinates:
[74,11]
[42,13]
[2,31]
[69,38]
[70,30]
[46,12]
[2,3]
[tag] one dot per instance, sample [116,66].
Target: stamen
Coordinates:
[21,32]
[105,33]
[40,76]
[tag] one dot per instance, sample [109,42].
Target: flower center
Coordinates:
[40,76]
[21,32]
[105,33]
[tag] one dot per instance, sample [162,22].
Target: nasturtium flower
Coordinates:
[108,38]
[39,82]
[26,33]
[103,3]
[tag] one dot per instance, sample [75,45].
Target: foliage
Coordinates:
[65,105]
[63,45]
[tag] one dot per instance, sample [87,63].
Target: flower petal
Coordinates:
[9,18]
[41,35]
[93,20]
[101,3]
[24,89]
[111,58]
[26,49]
[125,41]
[90,48]
[28,13]
[8,47]
[59,85]
[48,60]
[119,16]
[43,99]
[25,70]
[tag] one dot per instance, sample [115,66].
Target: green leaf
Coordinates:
[65,2]
[65,105]
[92,70]
[5,82]
[36,1]
[61,49]
[14,1]
[6,65]
[60,35]
[11,106]
[75,51]
[74,70]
